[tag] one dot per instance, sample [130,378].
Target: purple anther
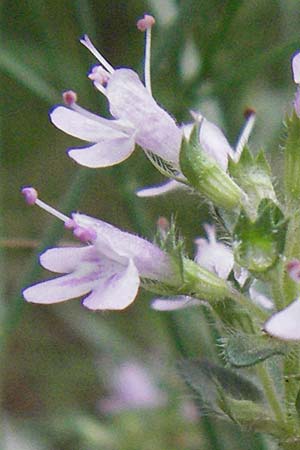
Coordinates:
[99,75]
[70,224]
[145,23]
[249,112]
[30,195]
[85,234]
[69,97]
[163,223]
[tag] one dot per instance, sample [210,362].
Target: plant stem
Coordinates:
[270,393]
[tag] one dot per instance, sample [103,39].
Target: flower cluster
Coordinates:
[108,269]
[249,281]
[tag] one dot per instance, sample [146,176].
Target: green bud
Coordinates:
[202,283]
[258,244]
[206,176]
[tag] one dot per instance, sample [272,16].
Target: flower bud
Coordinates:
[206,176]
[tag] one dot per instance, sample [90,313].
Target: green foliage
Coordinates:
[258,244]
[253,175]
[252,416]
[245,350]
[210,382]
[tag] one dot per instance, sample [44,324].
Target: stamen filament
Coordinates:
[147,70]
[245,134]
[89,45]
[31,197]
[51,210]
[145,24]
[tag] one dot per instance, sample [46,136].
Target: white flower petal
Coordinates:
[175,303]
[149,259]
[285,324]
[160,189]
[215,257]
[64,288]
[105,153]
[92,128]
[116,291]
[214,143]
[296,67]
[155,129]
[240,274]
[258,293]
[65,259]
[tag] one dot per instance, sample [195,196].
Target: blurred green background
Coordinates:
[215,56]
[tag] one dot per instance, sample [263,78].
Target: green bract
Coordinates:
[253,175]
[258,244]
[206,176]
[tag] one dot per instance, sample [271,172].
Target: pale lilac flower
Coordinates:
[213,143]
[132,388]
[214,255]
[107,270]
[296,77]
[284,324]
[218,258]
[259,294]
[137,117]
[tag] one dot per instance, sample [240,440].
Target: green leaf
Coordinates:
[244,350]
[252,416]
[253,175]
[258,245]
[211,382]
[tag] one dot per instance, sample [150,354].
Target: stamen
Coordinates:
[146,24]
[99,77]
[69,97]
[85,234]
[163,223]
[89,45]
[163,226]
[250,116]
[31,197]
